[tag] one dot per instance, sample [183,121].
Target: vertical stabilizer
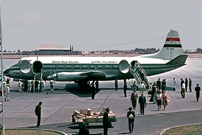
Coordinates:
[171,49]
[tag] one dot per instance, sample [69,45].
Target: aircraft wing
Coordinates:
[73,76]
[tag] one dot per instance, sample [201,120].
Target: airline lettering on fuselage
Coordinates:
[104,62]
[64,62]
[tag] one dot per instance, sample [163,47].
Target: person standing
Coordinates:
[159,84]
[7,94]
[133,98]
[134,86]
[142,102]
[105,121]
[182,81]
[186,83]
[190,84]
[142,87]
[197,89]
[174,84]
[125,87]
[158,99]
[164,97]
[131,117]
[163,85]
[26,86]
[154,91]
[36,85]
[20,86]
[51,86]
[183,90]
[38,113]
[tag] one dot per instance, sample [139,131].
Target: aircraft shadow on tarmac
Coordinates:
[76,90]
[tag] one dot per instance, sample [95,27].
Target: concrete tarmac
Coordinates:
[58,106]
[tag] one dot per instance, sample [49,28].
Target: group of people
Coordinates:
[158,93]
[33,86]
[184,85]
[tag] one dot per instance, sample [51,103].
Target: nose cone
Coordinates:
[6,72]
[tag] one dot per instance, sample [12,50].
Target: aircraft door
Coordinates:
[37,67]
[133,64]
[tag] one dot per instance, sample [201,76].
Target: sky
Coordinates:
[99,24]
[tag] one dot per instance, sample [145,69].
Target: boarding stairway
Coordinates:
[137,77]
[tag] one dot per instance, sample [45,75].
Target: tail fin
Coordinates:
[171,49]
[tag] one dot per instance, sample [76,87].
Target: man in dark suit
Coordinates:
[186,83]
[142,102]
[163,85]
[197,89]
[125,87]
[38,113]
[190,84]
[159,84]
[105,121]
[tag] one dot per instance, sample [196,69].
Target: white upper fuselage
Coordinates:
[93,60]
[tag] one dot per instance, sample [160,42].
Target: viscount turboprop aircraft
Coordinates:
[84,69]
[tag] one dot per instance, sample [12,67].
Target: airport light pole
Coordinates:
[2,76]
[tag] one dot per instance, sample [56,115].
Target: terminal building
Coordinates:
[52,50]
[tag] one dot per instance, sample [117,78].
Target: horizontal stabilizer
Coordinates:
[179,60]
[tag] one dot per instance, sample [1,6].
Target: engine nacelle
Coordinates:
[67,76]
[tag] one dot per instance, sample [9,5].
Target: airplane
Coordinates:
[82,70]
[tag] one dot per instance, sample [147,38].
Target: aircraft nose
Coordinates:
[6,72]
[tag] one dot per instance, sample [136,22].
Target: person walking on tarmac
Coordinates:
[38,113]
[142,102]
[133,98]
[197,89]
[131,117]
